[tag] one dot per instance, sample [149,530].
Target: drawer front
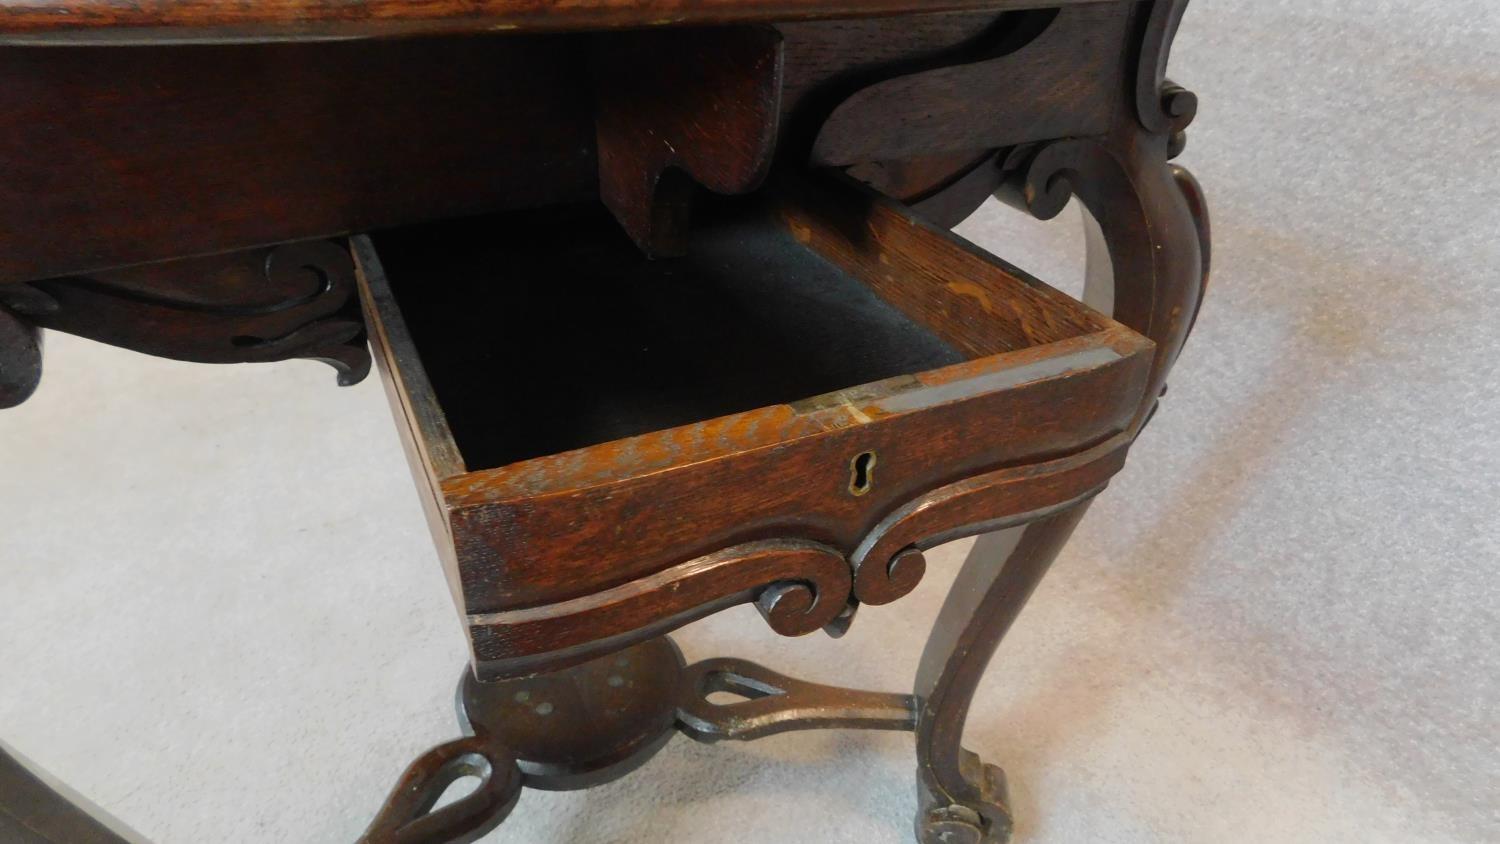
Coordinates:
[805,508]
[522,547]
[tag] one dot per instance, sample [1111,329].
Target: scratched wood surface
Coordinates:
[599,538]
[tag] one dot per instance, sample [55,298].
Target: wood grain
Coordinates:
[974,300]
[563,556]
[295,300]
[681,109]
[1057,85]
[73,21]
[116,156]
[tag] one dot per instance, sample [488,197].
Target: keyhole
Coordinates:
[862,473]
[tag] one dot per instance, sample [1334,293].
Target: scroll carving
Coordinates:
[799,587]
[1162,107]
[1150,264]
[889,564]
[291,301]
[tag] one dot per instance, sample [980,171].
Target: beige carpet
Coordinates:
[222,620]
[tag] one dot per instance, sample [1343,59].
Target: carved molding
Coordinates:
[1162,107]
[1148,219]
[799,586]
[889,563]
[296,300]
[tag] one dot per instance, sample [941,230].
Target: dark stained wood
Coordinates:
[961,799]
[889,563]
[772,703]
[543,586]
[678,109]
[1050,81]
[73,21]
[798,586]
[824,385]
[563,730]
[943,189]
[115,156]
[585,725]
[296,300]
[1147,265]
[407,817]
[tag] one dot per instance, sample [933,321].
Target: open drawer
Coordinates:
[611,447]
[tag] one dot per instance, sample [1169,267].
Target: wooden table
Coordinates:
[233,182]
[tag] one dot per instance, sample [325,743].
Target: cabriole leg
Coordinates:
[961,800]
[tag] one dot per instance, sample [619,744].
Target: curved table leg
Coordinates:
[961,799]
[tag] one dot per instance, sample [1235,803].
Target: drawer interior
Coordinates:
[610,447]
[532,334]
[546,332]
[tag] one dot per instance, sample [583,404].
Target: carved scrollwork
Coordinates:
[889,564]
[296,300]
[798,586]
[1148,220]
[1162,107]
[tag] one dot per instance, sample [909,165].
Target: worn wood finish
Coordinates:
[542,586]
[772,703]
[679,109]
[889,563]
[74,21]
[407,816]
[1014,407]
[1147,263]
[296,300]
[585,725]
[559,731]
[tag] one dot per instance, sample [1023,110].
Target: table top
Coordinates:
[153,21]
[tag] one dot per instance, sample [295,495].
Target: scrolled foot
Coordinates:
[951,825]
[986,820]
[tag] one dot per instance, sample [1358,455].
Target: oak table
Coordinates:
[768,373]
